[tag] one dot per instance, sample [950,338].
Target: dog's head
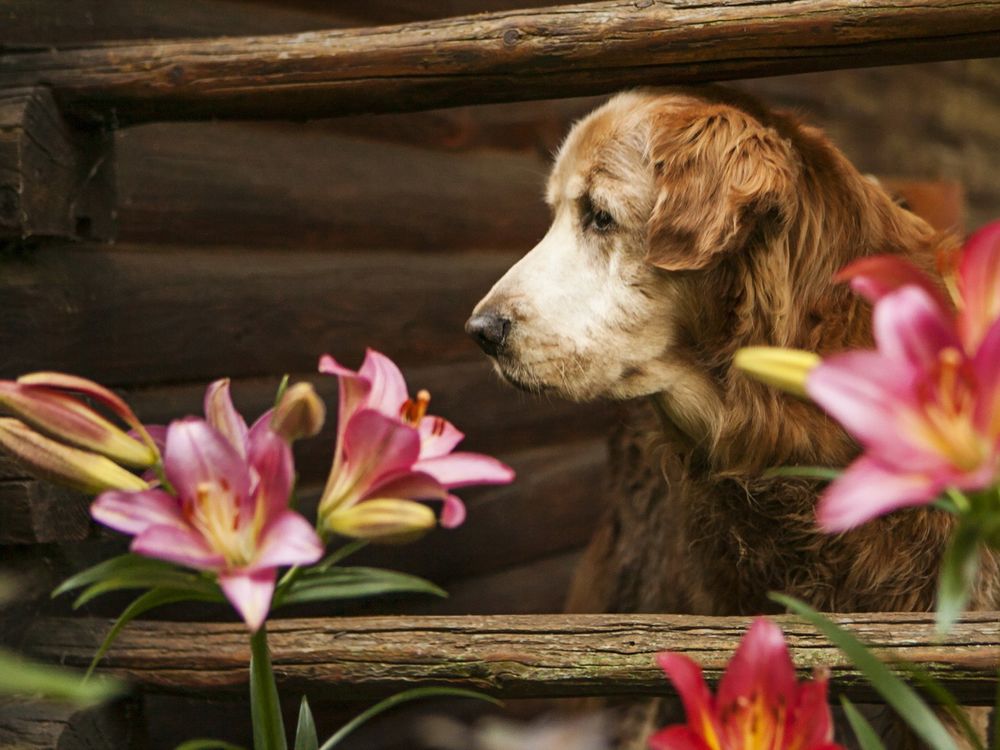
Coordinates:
[648,194]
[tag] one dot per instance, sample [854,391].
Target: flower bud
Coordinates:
[383,520]
[60,463]
[786,369]
[68,419]
[299,414]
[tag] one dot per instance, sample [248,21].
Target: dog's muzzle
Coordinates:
[489,330]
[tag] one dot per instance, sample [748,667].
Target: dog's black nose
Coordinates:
[488,330]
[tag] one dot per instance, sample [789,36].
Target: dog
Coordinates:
[687,223]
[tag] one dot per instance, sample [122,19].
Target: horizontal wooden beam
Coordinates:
[544,53]
[507,656]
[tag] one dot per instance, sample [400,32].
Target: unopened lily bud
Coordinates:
[383,520]
[786,369]
[299,414]
[68,419]
[63,464]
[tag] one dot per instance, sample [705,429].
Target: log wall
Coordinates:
[247,249]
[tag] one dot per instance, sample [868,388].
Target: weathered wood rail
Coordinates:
[542,53]
[507,656]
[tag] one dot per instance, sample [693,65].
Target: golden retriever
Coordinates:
[688,223]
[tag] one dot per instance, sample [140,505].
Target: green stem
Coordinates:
[265,710]
[958,497]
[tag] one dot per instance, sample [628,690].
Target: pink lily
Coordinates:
[230,515]
[927,414]
[976,293]
[759,704]
[390,453]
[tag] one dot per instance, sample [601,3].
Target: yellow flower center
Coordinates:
[215,513]
[947,425]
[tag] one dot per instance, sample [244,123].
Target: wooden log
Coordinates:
[31,725]
[282,185]
[55,180]
[144,315]
[516,55]
[35,512]
[509,656]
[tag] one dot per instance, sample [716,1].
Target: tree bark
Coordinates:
[509,657]
[575,50]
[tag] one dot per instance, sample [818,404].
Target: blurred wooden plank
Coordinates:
[35,512]
[143,315]
[543,53]
[510,656]
[294,186]
[55,181]
[45,23]
[31,725]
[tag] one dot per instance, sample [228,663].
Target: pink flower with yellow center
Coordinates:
[230,513]
[390,453]
[759,705]
[926,404]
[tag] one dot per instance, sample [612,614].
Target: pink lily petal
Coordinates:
[979,283]
[376,446]
[88,388]
[986,365]
[196,454]
[869,489]
[761,665]
[911,326]
[811,716]
[134,512]
[222,415]
[462,469]
[408,485]
[157,433]
[678,737]
[875,277]
[250,594]
[438,437]
[183,546]
[453,512]
[689,682]
[354,389]
[271,457]
[388,390]
[288,540]
[871,396]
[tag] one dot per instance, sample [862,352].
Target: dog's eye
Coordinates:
[603,221]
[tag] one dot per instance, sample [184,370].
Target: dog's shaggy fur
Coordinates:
[688,224]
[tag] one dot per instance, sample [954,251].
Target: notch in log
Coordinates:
[56,180]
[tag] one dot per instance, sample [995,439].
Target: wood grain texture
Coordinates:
[510,656]
[514,55]
[55,181]
[35,512]
[142,315]
[42,725]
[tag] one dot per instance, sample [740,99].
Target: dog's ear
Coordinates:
[718,172]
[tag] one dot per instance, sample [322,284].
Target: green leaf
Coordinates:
[867,739]
[203,744]
[395,700]
[896,693]
[353,583]
[341,554]
[111,568]
[147,601]
[19,676]
[173,578]
[940,695]
[265,709]
[305,732]
[810,472]
[958,573]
